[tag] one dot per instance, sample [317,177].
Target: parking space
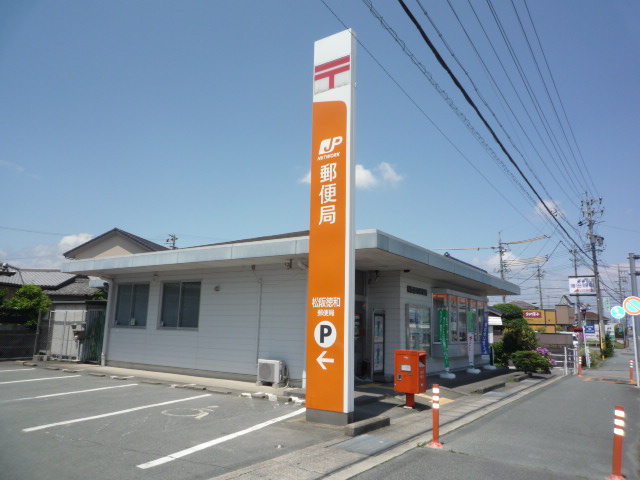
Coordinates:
[69,425]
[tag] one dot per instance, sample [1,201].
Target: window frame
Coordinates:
[132,306]
[179,308]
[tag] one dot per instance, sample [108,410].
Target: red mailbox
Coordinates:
[410,373]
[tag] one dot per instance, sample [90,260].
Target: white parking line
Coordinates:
[39,379]
[120,412]
[72,393]
[211,443]
[18,370]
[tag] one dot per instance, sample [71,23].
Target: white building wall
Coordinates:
[227,336]
[383,295]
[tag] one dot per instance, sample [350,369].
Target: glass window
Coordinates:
[440,305]
[180,305]
[131,305]
[480,319]
[418,328]
[453,318]
[462,319]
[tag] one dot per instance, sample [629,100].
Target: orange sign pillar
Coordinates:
[330,302]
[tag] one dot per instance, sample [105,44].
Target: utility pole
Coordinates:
[621,288]
[593,240]
[634,318]
[539,275]
[575,274]
[503,267]
[171,241]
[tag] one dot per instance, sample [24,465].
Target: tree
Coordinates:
[509,312]
[31,300]
[518,335]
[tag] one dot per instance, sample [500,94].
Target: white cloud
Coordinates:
[47,255]
[11,166]
[366,179]
[553,205]
[389,175]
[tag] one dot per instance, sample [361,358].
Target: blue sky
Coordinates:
[193,118]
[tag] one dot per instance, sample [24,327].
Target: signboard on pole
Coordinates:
[582,286]
[330,302]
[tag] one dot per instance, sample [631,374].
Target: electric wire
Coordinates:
[484,121]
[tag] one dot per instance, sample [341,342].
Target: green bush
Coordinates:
[499,358]
[607,351]
[529,362]
[517,336]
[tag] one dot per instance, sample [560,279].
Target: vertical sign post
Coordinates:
[330,302]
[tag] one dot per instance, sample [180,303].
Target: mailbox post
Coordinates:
[410,373]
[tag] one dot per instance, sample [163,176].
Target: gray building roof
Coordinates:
[43,278]
[375,250]
[144,243]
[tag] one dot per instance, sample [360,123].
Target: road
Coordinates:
[563,431]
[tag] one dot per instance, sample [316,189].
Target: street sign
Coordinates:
[618,312]
[631,305]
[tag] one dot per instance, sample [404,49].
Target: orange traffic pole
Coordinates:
[631,370]
[579,365]
[435,415]
[618,433]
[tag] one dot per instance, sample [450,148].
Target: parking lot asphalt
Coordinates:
[71,424]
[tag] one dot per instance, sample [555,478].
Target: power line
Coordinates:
[484,121]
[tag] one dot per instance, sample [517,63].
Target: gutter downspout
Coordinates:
[105,339]
[259,320]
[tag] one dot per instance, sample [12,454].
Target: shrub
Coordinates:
[499,357]
[607,351]
[529,361]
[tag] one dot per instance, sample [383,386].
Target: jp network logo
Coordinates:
[328,145]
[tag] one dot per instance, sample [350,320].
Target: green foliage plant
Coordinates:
[499,358]
[30,299]
[517,336]
[529,362]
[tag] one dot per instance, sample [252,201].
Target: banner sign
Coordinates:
[470,345]
[582,286]
[484,335]
[443,330]
[330,302]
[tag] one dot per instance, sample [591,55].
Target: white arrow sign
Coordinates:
[321,360]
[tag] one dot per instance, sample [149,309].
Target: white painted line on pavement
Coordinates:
[211,443]
[120,412]
[72,393]
[16,370]
[39,379]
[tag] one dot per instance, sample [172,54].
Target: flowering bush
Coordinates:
[546,354]
[530,361]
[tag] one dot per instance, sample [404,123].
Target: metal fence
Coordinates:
[17,337]
[74,335]
[567,361]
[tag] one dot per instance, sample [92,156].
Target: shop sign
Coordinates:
[532,314]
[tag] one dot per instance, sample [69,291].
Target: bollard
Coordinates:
[579,365]
[435,415]
[618,433]
[631,370]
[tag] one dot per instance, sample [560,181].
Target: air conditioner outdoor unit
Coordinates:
[270,371]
